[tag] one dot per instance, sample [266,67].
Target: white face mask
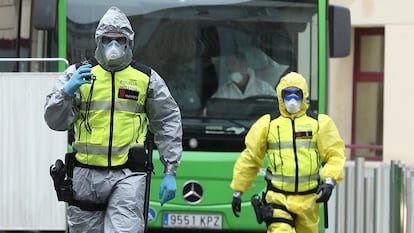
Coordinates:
[292,105]
[113,51]
[236,77]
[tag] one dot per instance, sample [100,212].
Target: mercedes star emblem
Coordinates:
[192,192]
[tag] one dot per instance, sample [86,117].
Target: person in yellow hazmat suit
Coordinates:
[305,161]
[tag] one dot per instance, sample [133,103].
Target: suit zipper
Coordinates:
[111,120]
[296,157]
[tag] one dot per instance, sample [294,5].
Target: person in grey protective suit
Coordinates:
[111,103]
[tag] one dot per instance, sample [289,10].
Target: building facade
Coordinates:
[370,89]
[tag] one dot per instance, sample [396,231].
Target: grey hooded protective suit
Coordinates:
[122,189]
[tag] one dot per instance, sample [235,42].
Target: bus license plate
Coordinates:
[187,220]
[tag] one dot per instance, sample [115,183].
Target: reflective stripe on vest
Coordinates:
[291,179]
[292,153]
[116,110]
[284,145]
[106,105]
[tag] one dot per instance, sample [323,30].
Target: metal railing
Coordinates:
[370,148]
[40,59]
[375,197]
[401,198]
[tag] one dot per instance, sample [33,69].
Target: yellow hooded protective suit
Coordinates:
[302,149]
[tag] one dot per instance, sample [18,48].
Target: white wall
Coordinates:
[397,18]
[378,12]
[340,95]
[398,93]
[28,147]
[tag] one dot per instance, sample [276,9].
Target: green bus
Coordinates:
[186,43]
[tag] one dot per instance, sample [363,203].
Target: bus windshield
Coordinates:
[189,44]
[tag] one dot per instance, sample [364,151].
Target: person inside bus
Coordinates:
[305,155]
[242,82]
[111,103]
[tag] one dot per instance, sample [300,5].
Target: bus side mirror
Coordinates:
[44,14]
[339,31]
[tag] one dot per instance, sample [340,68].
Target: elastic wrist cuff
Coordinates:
[237,194]
[170,169]
[330,181]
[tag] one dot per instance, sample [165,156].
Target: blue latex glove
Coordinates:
[79,77]
[168,188]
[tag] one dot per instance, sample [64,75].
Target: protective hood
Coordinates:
[292,79]
[114,23]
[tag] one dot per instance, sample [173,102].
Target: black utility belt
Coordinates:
[119,167]
[276,190]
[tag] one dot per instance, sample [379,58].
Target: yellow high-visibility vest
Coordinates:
[292,154]
[112,116]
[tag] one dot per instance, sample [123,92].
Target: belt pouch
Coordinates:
[137,158]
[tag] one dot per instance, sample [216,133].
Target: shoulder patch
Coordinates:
[141,67]
[314,115]
[275,114]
